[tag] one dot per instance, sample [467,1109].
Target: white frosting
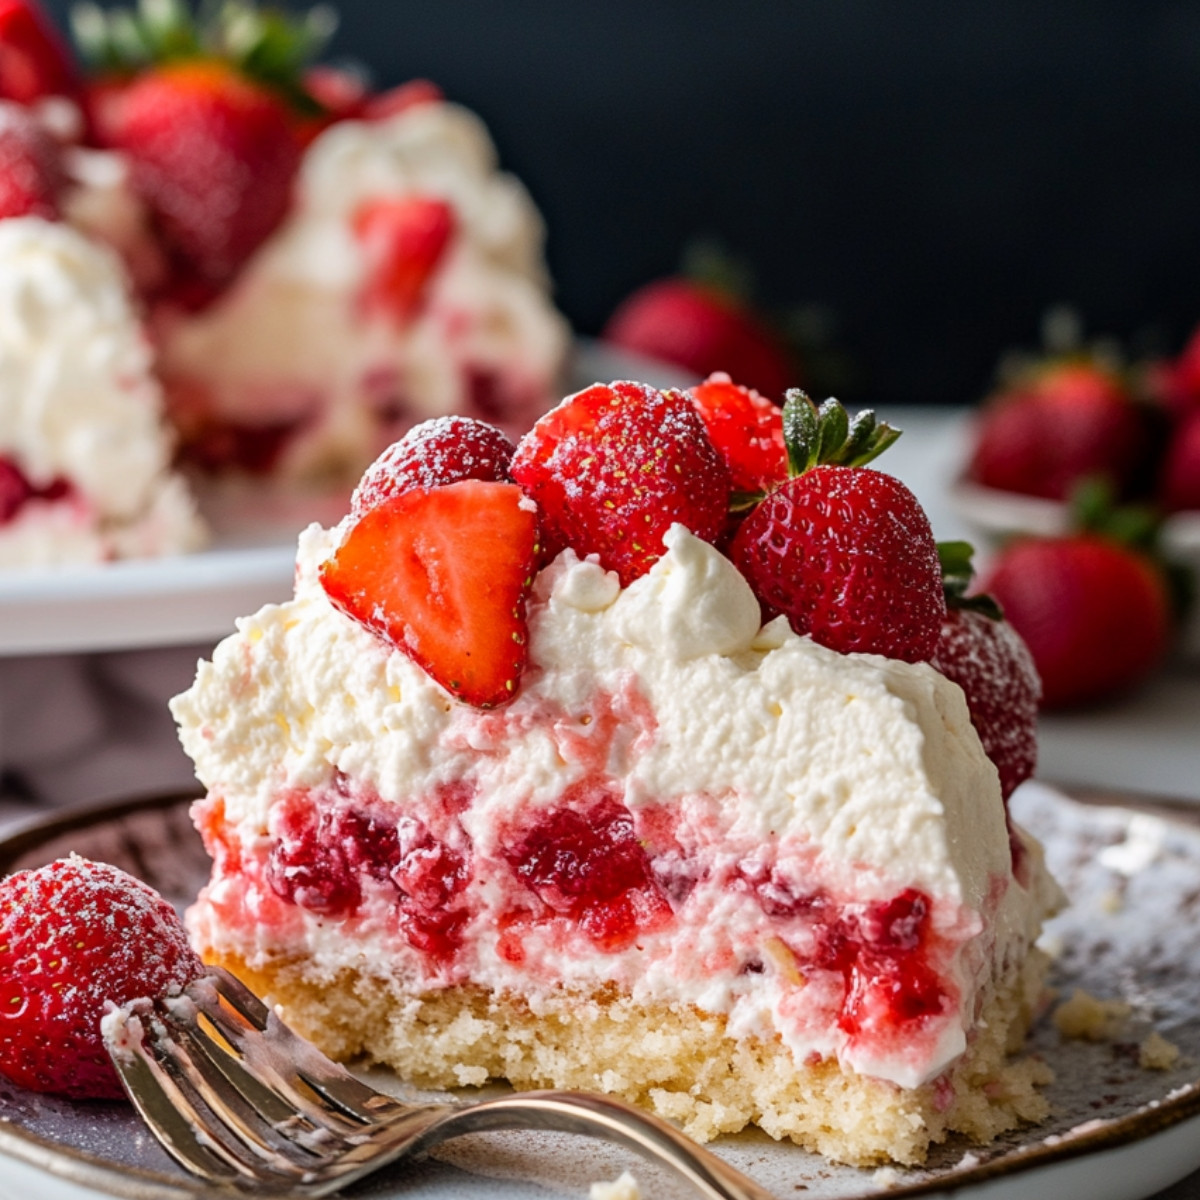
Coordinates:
[290,340]
[78,402]
[864,769]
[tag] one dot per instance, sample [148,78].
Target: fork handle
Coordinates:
[600,1117]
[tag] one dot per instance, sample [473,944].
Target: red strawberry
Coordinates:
[747,430]
[1179,482]
[404,239]
[74,936]
[405,96]
[443,450]
[214,155]
[981,652]
[34,62]
[703,330]
[1067,421]
[846,552]
[30,171]
[1175,383]
[442,574]
[613,467]
[1096,615]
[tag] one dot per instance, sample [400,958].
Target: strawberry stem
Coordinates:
[957,572]
[828,435]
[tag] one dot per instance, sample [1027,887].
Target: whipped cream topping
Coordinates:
[81,405]
[290,342]
[861,772]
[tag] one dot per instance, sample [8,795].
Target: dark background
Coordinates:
[932,176]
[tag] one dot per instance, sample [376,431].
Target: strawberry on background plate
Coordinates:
[704,321]
[1060,422]
[613,467]
[75,937]
[1096,607]
[442,574]
[844,551]
[985,655]
[31,175]
[34,60]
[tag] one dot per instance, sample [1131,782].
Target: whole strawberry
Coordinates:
[31,175]
[844,551]
[34,62]
[703,330]
[1065,421]
[438,451]
[747,430]
[982,652]
[1095,614]
[613,467]
[1179,479]
[75,937]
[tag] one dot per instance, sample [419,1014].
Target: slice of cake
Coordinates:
[85,451]
[520,786]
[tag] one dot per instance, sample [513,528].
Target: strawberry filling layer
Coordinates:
[586,891]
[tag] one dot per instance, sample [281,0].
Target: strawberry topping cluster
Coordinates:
[449,526]
[77,937]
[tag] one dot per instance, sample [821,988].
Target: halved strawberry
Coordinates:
[404,239]
[442,574]
[405,96]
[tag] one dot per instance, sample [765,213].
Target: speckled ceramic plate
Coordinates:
[1118,1131]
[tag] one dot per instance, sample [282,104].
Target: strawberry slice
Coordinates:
[747,430]
[30,172]
[404,239]
[442,574]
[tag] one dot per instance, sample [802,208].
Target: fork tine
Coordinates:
[283,1059]
[169,1109]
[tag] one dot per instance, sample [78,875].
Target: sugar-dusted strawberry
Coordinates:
[442,574]
[747,430]
[613,467]
[30,170]
[845,551]
[703,330]
[404,239]
[439,451]
[1065,421]
[1095,614]
[1179,480]
[75,936]
[985,656]
[34,62]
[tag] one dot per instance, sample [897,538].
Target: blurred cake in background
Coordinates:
[85,451]
[317,266]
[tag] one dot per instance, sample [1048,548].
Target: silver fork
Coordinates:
[239,1099]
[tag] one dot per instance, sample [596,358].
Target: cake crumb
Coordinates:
[624,1187]
[886,1177]
[1156,1053]
[1111,902]
[1089,1018]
